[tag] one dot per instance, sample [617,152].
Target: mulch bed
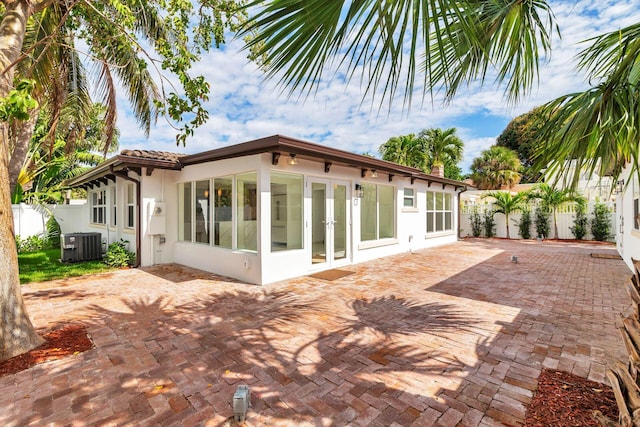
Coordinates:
[66,341]
[566,400]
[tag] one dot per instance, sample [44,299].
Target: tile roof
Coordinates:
[153,155]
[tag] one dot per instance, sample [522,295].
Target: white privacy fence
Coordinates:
[566,215]
[32,220]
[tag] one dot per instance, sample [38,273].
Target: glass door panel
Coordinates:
[318,223]
[339,221]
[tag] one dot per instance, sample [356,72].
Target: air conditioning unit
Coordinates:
[78,247]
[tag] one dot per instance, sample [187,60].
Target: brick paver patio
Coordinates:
[450,336]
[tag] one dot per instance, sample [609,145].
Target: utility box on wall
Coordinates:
[157,218]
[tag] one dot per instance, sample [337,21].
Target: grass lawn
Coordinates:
[44,265]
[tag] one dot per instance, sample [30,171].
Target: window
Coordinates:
[286,212]
[131,205]
[439,212]
[99,207]
[201,208]
[377,212]
[114,206]
[247,211]
[184,212]
[213,217]
[223,212]
[409,200]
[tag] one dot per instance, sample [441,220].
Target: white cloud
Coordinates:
[243,106]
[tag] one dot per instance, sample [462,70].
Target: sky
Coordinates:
[244,106]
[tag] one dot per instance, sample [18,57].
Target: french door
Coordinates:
[330,223]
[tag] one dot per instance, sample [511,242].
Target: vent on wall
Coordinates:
[81,247]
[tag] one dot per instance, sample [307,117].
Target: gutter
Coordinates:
[126,176]
[459,212]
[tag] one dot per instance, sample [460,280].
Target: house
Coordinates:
[628,215]
[268,209]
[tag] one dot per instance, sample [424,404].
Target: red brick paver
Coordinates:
[455,335]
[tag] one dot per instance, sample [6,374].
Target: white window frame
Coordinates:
[130,206]
[114,206]
[97,207]
[377,226]
[435,211]
[405,198]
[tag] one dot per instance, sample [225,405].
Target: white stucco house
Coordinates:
[267,210]
[628,212]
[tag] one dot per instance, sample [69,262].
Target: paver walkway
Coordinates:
[455,335]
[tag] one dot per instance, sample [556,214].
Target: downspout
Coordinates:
[459,212]
[126,176]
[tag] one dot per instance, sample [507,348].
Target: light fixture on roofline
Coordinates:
[359,191]
[292,160]
[619,186]
[374,174]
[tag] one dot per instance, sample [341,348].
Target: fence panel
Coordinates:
[565,217]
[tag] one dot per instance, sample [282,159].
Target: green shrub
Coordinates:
[476,223]
[53,233]
[524,225]
[601,222]
[118,256]
[580,223]
[489,224]
[542,222]
[30,244]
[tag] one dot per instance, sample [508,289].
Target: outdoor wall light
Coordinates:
[359,191]
[619,186]
[374,174]
[292,160]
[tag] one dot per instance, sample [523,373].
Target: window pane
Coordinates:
[408,198]
[131,215]
[430,222]
[368,213]
[247,212]
[439,201]
[114,207]
[387,211]
[439,221]
[184,212]
[447,221]
[222,216]
[286,212]
[430,204]
[201,209]
[130,194]
[447,202]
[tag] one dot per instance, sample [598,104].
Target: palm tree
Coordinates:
[405,150]
[552,198]
[61,80]
[397,46]
[443,147]
[497,167]
[506,203]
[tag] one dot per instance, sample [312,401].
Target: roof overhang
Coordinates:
[277,145]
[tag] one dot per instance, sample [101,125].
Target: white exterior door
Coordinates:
[330,223]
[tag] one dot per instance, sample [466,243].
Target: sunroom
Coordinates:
[275,208]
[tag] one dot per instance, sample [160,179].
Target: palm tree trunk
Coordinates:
[17,334]
[555,222]
[20,138]
[506,217]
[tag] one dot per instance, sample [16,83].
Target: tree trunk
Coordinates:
[555,222]
[506,219]
[17,334]
[19,138]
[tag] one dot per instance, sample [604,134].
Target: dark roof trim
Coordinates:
[130,159]
[311,151]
